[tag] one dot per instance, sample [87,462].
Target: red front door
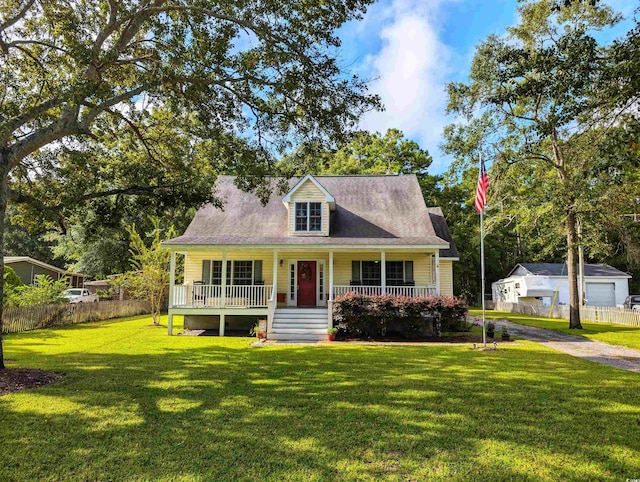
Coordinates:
[306,283]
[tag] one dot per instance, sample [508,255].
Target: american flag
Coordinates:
[483,183]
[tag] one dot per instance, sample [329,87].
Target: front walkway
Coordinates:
[578,346]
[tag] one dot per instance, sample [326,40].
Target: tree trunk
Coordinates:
[572,237]
[574,304]
[3,209]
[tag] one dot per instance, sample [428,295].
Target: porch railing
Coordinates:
[410,291]
[211,296]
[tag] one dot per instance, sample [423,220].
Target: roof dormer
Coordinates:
[308,205]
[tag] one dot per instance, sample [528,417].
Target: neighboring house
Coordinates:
[28,268]
[97,285]
[105,289]
[286,261]
[537,283]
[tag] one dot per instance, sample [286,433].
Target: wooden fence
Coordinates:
[46,316]
[591,314]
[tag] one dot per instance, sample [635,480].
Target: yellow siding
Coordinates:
[446,277]
[422,266]
[308,192]
[342,266]
[193,263]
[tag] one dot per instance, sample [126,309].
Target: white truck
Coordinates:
[80,295]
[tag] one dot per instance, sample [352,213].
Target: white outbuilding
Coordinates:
[537,283]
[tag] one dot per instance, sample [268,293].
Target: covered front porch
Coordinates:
[257,282]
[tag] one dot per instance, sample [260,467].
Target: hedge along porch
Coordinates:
[221,283]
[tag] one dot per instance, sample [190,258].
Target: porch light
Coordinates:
[281,262]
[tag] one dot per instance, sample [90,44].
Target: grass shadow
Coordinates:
[159,407]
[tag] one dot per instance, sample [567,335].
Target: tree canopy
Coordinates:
[534,104]
[105,99]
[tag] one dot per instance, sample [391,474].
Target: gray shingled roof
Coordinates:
[442,231]
[369,210]
[560,269]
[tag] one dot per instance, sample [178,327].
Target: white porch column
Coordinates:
[383,272]
[223,281]
[222,321]
[330,275]
[273,299]
[330,299]
[172,282]
[275,276]
[437,263]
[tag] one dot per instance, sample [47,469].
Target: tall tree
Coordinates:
[531,102]
[150,280]
[263,69]
[363,153]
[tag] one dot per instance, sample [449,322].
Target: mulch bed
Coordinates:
[461,338]
[16,379]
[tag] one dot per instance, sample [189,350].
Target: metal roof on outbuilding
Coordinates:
[560,269]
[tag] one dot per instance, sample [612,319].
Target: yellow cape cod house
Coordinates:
[286,261]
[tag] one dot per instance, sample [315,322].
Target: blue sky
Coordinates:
[410,49]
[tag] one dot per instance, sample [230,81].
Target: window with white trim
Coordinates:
[369,273]
[239,272]
[242,272]
[308,217]
[395,273]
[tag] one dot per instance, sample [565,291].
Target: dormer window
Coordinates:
[308,216]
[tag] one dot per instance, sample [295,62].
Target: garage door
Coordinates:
[601,294]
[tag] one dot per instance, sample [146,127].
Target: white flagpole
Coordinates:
[484,329]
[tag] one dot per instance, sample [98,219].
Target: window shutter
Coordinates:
[257,271]
[355,271]
[408,271]
[229,267]
[206,271]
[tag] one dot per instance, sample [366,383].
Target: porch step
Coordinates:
[300,331]
[300,316]
[300,319]
[301,311]
[299,324]
[296,337]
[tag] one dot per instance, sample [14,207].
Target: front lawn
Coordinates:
[614,334]
[139,405]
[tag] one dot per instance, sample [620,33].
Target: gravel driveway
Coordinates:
[597,351]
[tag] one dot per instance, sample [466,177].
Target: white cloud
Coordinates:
[410,72]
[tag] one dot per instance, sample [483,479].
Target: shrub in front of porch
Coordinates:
[377,315]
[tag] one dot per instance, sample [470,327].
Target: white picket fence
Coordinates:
[610,315]
[591,314]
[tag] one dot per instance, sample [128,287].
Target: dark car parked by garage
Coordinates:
[632,302]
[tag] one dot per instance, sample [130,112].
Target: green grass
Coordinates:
[139,405]
[614,334]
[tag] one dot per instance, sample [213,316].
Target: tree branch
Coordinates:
[12,20]
[11,125]
[22,198]
[136,131]
[16,43]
